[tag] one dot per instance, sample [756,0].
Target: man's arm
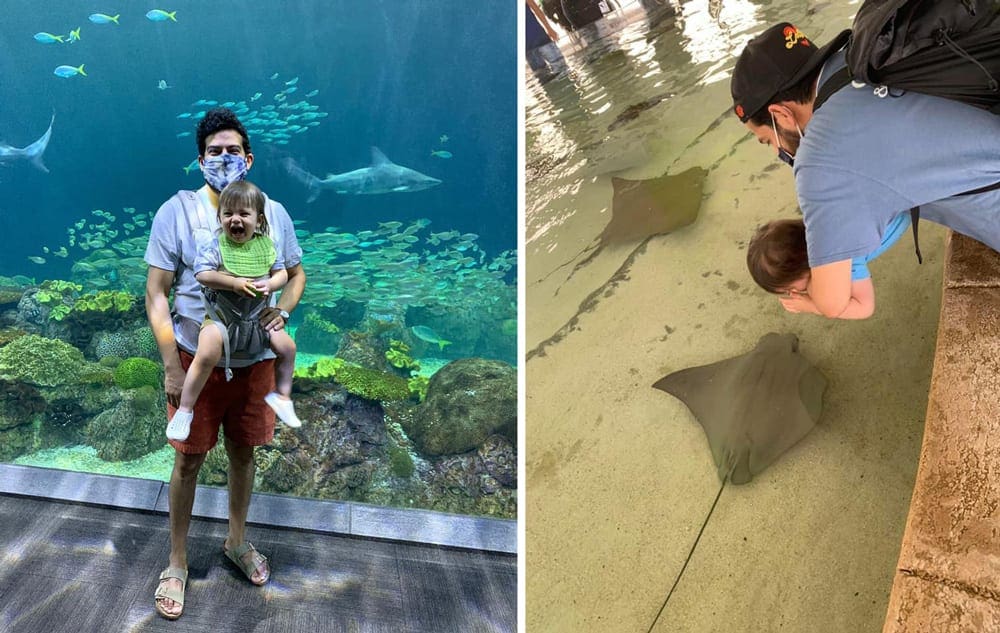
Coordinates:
[158,284]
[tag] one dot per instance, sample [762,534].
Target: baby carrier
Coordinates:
[238,319]
[237,316]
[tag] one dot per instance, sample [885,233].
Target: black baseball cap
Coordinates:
[776,60]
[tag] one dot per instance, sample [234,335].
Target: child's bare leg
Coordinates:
[284,366]
[207,355]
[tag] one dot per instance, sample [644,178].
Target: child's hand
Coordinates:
[243,286]
[262,288]
[795,301]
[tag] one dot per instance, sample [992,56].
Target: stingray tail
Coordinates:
[690,553]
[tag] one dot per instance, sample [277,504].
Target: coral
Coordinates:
[146,398]
[399,357]
[104,301]
[110,361]
[317,334]
[323,368]
[315,320]
[400,462]
[372,384]
[9,334]
[58,296]
[133,373]
[130,429]
[113,344]
[418,387]
[41,361]
[145,343]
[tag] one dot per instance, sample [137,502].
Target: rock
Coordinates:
[132,428]
[467,401]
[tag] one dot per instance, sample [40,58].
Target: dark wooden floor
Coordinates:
[74,568]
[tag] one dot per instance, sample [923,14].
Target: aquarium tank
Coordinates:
[406,372]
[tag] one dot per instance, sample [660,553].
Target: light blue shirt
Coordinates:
[864,160]
[896,228]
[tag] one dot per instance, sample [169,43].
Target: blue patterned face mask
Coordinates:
[221,170]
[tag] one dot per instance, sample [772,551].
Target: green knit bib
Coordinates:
[250,259]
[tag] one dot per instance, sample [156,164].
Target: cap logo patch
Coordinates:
[794,36]
[739,111]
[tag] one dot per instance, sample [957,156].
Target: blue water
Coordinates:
[395,74]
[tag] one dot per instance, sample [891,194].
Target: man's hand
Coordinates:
[271,319]
[173,381]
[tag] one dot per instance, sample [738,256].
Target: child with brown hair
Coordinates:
[779,263]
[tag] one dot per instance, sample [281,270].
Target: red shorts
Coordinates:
[237,406]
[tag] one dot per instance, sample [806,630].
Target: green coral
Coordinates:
[400,462]
[105,301]
[418,387]
[58,295]
[145,398]
[41,361]
[372,384]
[314,320]
[323,368]
[398,356]
[133,373]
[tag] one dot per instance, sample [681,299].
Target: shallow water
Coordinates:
[623,472]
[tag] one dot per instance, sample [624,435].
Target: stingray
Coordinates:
[752,407]
[632,112]
[643,209]
[640,211]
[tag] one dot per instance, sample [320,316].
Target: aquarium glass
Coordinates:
[387,128]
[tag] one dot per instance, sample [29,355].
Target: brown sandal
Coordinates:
[248,568]
[172,594]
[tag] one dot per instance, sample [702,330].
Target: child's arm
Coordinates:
[861,304]
[278,279]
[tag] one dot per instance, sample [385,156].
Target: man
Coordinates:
[864,157]
[184,221]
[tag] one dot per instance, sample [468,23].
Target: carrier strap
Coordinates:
[217,321]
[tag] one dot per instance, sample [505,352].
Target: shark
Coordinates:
[382,176]
[32,153]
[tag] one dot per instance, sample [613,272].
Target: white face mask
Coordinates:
[224,169]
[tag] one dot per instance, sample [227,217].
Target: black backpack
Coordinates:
[946,48]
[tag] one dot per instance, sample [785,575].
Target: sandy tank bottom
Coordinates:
[619,475]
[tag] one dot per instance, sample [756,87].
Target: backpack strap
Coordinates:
[914,220]
[837,80]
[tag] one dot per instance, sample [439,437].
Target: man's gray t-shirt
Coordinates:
[864,159]
[173,245]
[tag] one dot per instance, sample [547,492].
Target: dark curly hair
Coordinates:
[777,254]
[216,120]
